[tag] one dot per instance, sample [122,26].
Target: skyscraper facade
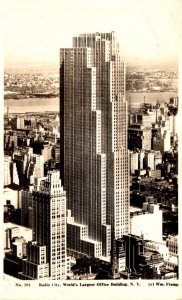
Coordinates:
[46,254]
[94,143]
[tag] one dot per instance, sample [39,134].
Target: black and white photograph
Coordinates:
[90,149]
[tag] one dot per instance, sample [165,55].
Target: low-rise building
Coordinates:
[12,231]
[140,222]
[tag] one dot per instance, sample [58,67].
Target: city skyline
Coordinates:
[148,31]
[91,187]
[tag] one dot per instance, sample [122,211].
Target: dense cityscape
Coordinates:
[91,187]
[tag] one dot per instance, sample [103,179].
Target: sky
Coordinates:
[147,30]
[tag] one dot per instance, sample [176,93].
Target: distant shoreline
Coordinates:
[152,91]
[41,104]
[17,96]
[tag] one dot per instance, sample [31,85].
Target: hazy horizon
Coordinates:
[147,31]
[54,68]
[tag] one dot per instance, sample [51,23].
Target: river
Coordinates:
[52,104]
[31,105]
[136,99]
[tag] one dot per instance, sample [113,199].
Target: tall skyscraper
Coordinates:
[46,254]
[93,137]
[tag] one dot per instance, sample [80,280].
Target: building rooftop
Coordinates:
[10,225]
[134,209]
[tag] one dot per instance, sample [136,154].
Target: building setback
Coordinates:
[94,143]
[46,254]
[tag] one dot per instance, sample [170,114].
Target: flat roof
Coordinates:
[10,225]
[134,209]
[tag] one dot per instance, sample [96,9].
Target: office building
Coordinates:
[27,166]
[159,247]
[57,153]
[12,231]
[134,246]
[10,139]
[172,244]
[139,131]
[141,263]
[149,160]
[46,254]
[134,161]
[20,122]
[141,222]
[26,207]
[161,139]
[43,148]
[93,139]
